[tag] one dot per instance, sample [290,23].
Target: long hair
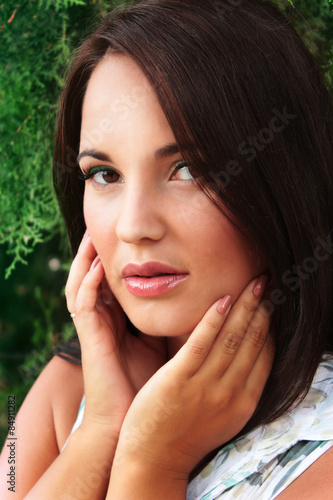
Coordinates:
[247,105]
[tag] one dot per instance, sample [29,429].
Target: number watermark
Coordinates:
[11,444]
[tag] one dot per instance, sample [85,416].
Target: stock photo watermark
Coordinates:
[250,147]
[83,489]
[100,471]
[292,277]
[11,443]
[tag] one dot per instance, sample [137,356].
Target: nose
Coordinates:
[140,216]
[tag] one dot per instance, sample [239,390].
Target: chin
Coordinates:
[163,323]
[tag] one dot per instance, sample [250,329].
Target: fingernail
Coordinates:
[224,304]
[259,286]
[95,262]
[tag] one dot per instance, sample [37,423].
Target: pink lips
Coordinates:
[151,279]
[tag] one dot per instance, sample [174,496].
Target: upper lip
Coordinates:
[148,269]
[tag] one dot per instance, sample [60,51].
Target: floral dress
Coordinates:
[262,463]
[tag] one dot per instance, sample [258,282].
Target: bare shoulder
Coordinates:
[44,421]
[55,398]
[315,482]
[65,381]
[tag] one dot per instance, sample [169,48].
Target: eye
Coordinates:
[100,175]
[105,176]
[182,172]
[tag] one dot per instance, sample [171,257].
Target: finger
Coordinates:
[87,294]
[251,348]
[94,339]
[102,371]
[106,299]
[79,268]
[262,368]
[252,343]
[236,326]
[194,352]
[90,311]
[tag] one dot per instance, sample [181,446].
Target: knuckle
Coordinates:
[84,285]
[212,324]
[231,342]
[257,337]
[249,306]
[68,290]
[197,347]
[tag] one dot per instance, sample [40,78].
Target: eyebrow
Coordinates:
[165,152]
[94,154]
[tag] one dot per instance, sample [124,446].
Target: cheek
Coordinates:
[230,260]
[90,212]
[100,225]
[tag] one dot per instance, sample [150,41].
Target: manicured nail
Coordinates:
[224,304]
[259,286]
[94,263]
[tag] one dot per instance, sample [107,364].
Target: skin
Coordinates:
[150,213]
[144,396]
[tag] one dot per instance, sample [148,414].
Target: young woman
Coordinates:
[193,165]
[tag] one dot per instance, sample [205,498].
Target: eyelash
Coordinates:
[85,176]
[180,164]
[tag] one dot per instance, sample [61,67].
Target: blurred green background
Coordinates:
[37,38]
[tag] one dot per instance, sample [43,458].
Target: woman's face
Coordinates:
[167,251]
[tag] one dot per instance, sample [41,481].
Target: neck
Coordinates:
[175,343]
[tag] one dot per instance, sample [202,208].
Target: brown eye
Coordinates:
[105,176]
[182,172]
[100,175]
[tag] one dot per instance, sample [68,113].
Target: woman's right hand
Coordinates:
[110,354]
[200,399]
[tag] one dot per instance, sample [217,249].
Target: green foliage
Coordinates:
[314,22]
[37,45]
[34,319]
[59,4]
[37,38]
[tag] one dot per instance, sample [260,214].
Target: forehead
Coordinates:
[120,100]
[117,77]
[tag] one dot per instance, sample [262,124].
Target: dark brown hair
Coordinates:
[242,94]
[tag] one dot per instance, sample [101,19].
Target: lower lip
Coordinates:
[153,287]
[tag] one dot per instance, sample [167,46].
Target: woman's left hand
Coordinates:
[204,395]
